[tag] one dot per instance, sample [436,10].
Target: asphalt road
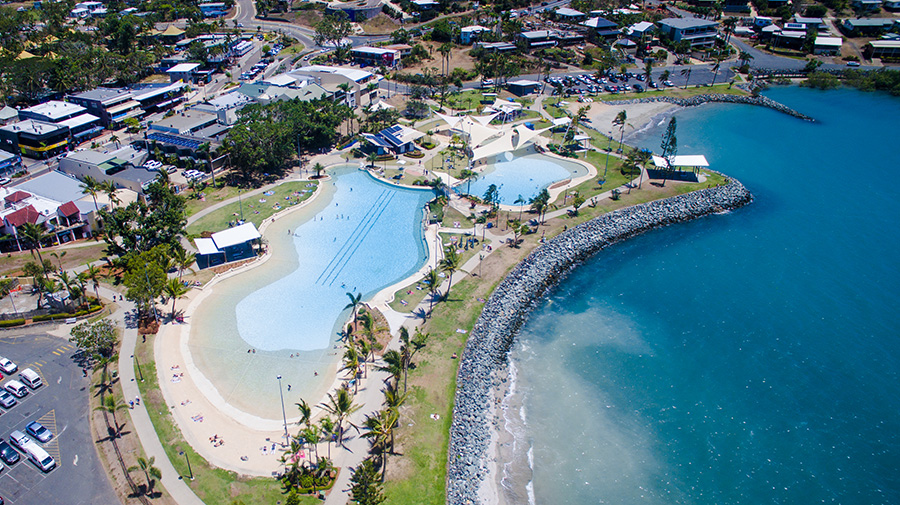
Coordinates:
[61,405]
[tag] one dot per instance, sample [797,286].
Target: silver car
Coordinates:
[7,365]
[19,439]
[7,400]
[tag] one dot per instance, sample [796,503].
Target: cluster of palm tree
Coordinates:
[300,471]
[93,187]
[450,264]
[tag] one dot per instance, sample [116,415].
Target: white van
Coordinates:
[39,456]
[31,378]
[17,388]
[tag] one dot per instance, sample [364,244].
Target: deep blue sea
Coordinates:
[744,358]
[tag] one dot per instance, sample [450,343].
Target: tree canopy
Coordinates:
[141,226]
[97,339]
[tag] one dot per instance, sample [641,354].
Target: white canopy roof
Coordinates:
[561,121]
[688,160]
[486,120]
[379,105]
[237,235]
[510,140]
[206,246]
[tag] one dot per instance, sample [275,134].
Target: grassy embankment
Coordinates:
[254,210]
[212,485]
[418,474]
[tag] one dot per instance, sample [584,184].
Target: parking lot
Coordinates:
[61,405]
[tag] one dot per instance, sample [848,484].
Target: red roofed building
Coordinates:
[24,215]
[69,211]
[16,197]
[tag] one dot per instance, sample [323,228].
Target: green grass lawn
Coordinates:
[254,211]
[677,92]
[212,485]
[452,216]
[206,198]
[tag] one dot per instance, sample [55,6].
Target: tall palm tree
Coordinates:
[91,186]
[92,273]
[351,364]
[686,72]
[305,412]
[341,406]
[111,405]
[520,201]
[174,289]
[34,234]
[715,69]
[354,304]
[379,428]
[312,437]
[393,364]
[110,189]
[318,168]
[6,287]
[326,424]
[183,260]
[204,149]
[433,279]
[621,120]
[151,473]
[450,264]
[114,138]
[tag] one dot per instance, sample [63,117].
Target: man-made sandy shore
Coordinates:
[639,115]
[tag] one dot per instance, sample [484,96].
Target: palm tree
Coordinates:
[327,425]
[450,264]
[305,412]
[6,287]
[648,70]
[183,260]
[393,364]
[151,473]
[110,189]
[715,69]
[621,121]
[111,405]
[409,348]
[174,289]
[520,201]
[341,406]
[433,279]
[351,364]
[312,437]
[687,72]
[34,234]
[204,150]
[372,158]
[318,168]
[354,304]
[380,429]
[114,138]
[745,57]
[91,186]
[539,203]
[92,273]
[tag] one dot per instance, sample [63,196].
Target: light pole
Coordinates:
[283,415]
[186,458]
[608,150]
[240,204]
[138,363]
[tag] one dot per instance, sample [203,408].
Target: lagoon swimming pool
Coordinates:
[359,236]
[523,175]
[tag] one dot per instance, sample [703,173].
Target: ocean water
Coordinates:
[749,357]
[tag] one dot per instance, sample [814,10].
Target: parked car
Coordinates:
[17,388]
[19,439]
[39,431]
[852,63]
[7,400]
[4,181]
[7,365]
[8,454]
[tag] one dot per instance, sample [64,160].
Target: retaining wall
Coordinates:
[718,98]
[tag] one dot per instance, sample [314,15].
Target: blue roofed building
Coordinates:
[397,139]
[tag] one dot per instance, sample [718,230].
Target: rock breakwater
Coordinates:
[719,98]
[504,313]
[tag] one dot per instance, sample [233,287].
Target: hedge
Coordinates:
[11,323]
[65,315]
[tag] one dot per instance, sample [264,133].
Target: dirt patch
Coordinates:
[381,24]
[459,58]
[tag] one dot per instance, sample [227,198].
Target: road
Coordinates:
[62,406]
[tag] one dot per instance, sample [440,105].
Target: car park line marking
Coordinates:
[49,422]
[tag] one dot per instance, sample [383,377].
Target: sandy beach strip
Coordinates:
[640,115]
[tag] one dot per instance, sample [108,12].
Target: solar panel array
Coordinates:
[390,134]
[178,141]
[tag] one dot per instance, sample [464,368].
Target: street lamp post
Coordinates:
[186,458]
[240,204]
[608,150]
[283,415]
[138,363]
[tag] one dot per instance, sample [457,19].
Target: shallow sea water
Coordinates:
[749,357]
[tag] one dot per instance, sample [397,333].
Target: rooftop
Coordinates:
[350,73]
[236,235]
[567,12]
[685,23]
[183,67]
[186,121]
[103,94]
[33,127]
[55,110]
[79,120]
[55,186]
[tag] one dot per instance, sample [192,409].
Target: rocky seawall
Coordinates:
[504,313]
[719,98]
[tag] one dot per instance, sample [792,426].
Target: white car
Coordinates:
[7,365]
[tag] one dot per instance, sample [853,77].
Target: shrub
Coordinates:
[11,322]
[415,154]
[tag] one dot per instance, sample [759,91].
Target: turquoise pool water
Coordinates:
[744,358]
[523,175]
[360,235]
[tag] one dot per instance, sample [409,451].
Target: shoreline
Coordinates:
[472,474]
